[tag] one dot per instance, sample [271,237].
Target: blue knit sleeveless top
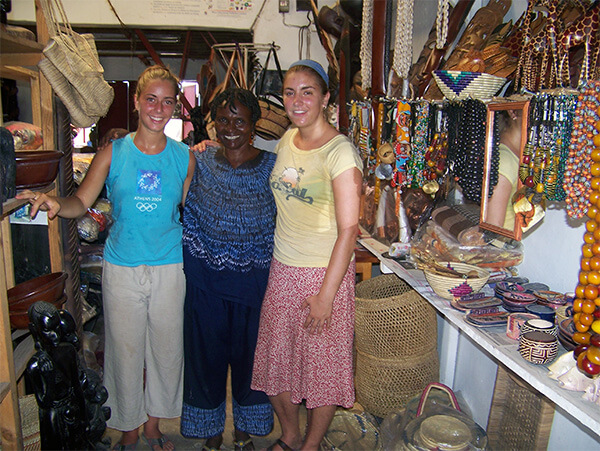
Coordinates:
[229,214]
[145,191]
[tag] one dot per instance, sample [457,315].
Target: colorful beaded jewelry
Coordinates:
[578,174]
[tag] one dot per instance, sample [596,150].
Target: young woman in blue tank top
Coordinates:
[147,175]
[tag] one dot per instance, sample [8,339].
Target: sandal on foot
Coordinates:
[119,447]
[240,445]
[160,441]
[208,448]
[284,446]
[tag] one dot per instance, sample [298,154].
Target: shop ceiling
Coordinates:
[167,43]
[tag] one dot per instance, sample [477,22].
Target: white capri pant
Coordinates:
[143,324]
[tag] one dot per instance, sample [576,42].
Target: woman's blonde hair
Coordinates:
[156,73]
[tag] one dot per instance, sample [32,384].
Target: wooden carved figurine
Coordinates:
[582,31]
[69,399]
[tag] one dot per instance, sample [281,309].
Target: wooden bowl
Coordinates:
[538,347]
[20,319]
[36,168]
[48,287]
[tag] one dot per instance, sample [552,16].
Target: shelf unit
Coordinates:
[494,342]
[18,60]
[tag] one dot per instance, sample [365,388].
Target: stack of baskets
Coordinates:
[396,344]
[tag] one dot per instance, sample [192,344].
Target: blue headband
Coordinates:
[314,66]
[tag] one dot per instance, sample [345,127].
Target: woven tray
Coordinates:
[520,418]
[392,320]
[386,385]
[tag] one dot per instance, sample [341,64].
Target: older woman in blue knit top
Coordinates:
[229,220]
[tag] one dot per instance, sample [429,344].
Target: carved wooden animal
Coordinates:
[583,31]
[539,55]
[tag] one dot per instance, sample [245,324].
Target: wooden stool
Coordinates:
[364,263]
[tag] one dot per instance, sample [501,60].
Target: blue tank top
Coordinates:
[145,191]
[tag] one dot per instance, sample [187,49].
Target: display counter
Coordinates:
[494,342]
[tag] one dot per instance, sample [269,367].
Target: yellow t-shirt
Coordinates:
[301,182]
[509,168]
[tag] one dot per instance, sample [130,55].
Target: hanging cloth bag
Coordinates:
[73,69]
[273,122]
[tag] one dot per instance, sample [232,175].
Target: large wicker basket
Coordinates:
[386,385]
[392,319]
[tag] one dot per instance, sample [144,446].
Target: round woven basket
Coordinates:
[386,385]
[450,287]
[392,319]
[460,85]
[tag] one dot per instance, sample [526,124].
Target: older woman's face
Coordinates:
[234,126]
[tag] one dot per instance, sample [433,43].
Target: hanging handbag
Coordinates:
[73,69]
[273,122]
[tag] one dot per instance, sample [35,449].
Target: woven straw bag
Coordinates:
[73,69]
[273,122]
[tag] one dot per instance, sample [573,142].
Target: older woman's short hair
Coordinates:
[228,98]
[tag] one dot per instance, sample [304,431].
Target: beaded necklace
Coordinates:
[467,146]
[435,157]
[577,180]
[416,164]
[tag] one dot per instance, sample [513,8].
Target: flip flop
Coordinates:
[119,447]
[284,446]
[240,445]
[152,442]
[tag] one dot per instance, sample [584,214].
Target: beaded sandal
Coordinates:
[243,445]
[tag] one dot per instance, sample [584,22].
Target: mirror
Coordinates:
[506,137]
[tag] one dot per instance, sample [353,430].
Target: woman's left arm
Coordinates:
[188,178]
[346,196]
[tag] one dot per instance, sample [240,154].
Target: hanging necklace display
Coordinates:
[495,158]
[416,163]
[441,24]
[578,174]
[366,44]
[563,126]
[402,143]
[378,142]
[403,39]
[544,157]
[469,148]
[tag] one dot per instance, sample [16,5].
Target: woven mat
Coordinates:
[520,417]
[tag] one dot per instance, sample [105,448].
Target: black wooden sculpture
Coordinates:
[69,398]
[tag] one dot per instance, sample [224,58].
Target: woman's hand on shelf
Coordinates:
[40,201]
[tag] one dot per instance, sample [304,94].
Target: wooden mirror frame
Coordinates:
[492,108]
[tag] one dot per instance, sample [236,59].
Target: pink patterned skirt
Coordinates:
[315,368]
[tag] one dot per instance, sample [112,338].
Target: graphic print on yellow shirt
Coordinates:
[301,182]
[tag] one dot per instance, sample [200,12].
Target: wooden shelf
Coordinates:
[13,204]
[4,390]
[21,354]
[19,51]
[18,61]
[14,44]
[493,340]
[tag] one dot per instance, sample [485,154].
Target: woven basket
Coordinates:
[392,319]
[386,385]
[520,417]
[460,85]
[450,287]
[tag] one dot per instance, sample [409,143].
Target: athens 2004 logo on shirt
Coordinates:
[149,189]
